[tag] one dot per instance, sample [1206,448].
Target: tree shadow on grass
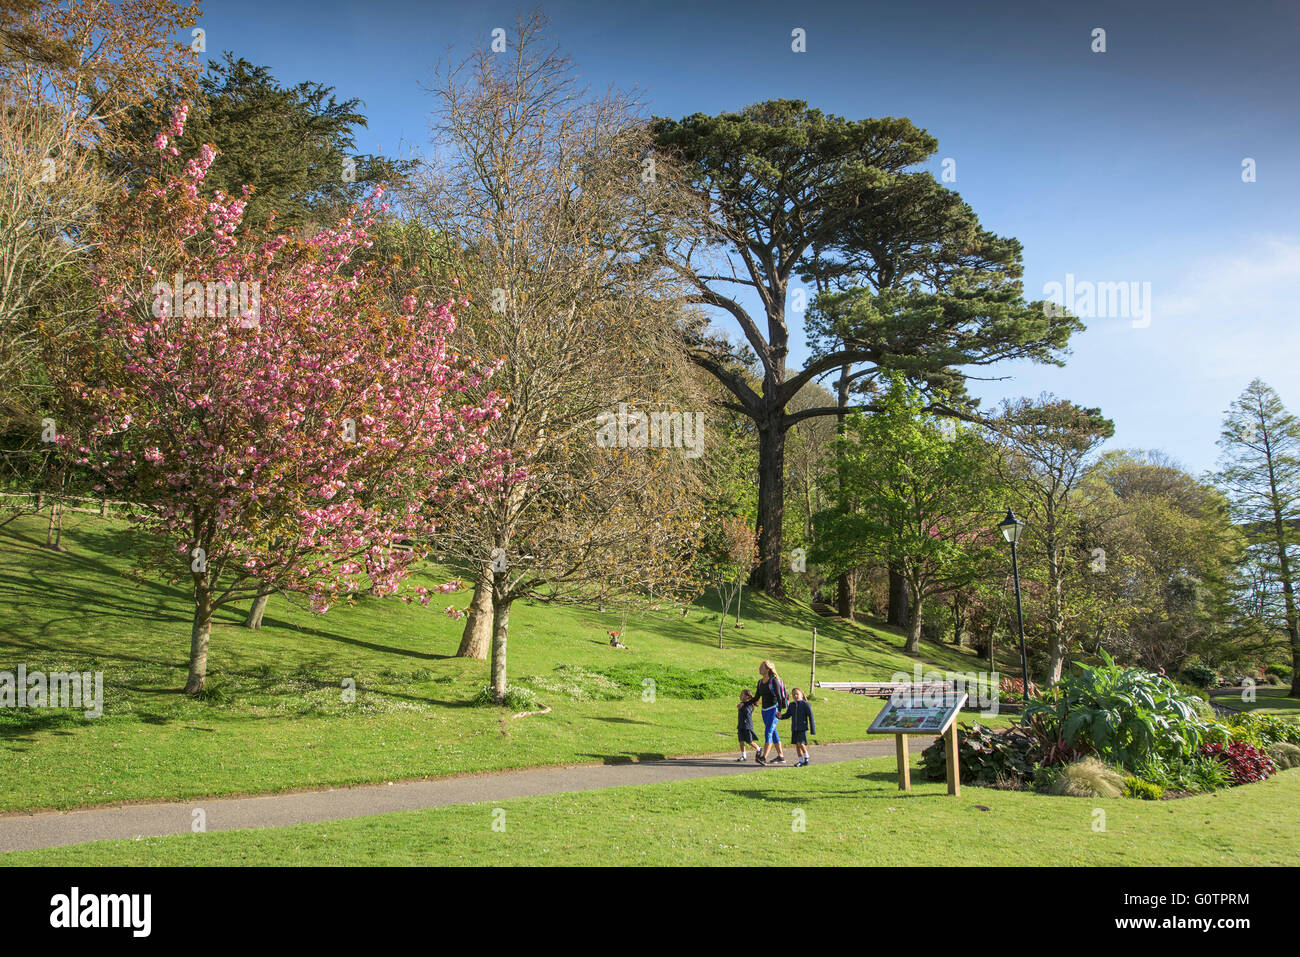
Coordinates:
[80,600]
[19,723]
[864,643]
[883,776]
[804,798]
[98,654]
[440,702]
[76,582]
[69,646]
[307,632]
[81,583]
[88,544]
[65,593]
[627,757]
[843,644]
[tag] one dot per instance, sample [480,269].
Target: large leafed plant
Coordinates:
[1125,715]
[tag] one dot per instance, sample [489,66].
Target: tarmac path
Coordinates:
[20,830]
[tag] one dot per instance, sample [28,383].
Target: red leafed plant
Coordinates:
[1058,753]
[1245,763]
[1014,688]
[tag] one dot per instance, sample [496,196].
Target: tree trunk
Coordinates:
[845,584]
[477,637]
[1056,619]
[1288,584]
[199,635]
[1055,658]
[913,645]
[500,630]
[771,504]
[846,595]
[724,600]
[898,601]
[257,610]
[914,621]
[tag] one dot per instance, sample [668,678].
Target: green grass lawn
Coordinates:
[1267,701]
[852,813]
[285,725]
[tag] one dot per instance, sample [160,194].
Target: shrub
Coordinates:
[1087,777]
[1013,689]
[983,755]
[1244,763]
[1191,774]
[1205,774]
[1285,756]
[1216,732]
[1143,790]
[1045,778]
[1262,730]
[1282,671]
[1198,700]
[1202,676]
[1054,751]
[1125,715]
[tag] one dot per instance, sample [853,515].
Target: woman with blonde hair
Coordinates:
[771,695]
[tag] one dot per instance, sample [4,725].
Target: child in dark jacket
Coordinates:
[801,725]
[745,723]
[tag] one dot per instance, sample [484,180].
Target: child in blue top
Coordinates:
[745,723]
[801,725]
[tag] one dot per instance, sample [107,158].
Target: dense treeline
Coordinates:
[581,426]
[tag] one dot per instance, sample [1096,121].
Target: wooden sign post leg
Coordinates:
[954,771]
[904,771]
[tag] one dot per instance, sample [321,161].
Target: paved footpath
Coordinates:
[21,831]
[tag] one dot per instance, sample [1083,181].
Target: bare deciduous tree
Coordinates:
[69,74]
[547,191]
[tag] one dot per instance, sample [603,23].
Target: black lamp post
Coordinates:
[1011,528]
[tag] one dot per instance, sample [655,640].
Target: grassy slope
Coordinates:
[853,814]
[285,724]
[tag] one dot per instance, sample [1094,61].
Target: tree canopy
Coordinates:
[295,146]
[784,190]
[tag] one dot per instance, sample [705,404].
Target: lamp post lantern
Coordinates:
[1011,528]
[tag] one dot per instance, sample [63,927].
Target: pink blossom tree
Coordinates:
[281,421]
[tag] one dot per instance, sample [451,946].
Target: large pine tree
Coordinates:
[1260,474]
[788,191]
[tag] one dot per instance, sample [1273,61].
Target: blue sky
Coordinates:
[1122,166]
